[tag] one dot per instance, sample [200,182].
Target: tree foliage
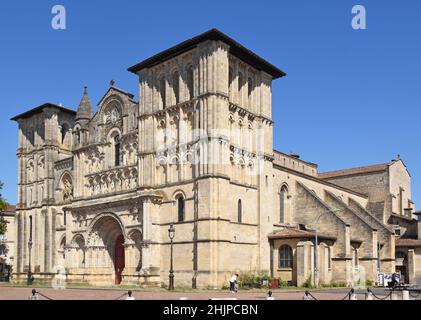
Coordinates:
[3,206]
[3,226]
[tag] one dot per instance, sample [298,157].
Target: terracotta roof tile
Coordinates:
[11,208]
[289,233]
[408,243]
[353,171]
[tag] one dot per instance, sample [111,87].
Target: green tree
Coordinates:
[3,206]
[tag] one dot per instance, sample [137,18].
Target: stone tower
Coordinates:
[205,127]
[44,137]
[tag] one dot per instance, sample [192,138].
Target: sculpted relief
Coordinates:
[112,115]
[67,188]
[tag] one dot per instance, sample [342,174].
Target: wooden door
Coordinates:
[119,258]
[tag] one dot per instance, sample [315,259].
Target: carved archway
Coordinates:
[106,235]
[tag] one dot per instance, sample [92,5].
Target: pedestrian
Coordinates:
[8,273]
[233,283]
[394,280]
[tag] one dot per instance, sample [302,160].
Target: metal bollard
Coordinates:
[369,295]
[307,296]
[34,295]
[394,296]
[130,295]
[269,296]
[405,295]
[352,295]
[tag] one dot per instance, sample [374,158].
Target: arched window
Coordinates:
[230,80]
[162,91]
[176,87]
[355,257]
[285,257]
[117,145]
[283,196]
[78,135]
[329,258]
[240,211]
[190,81]
[181,209]
[249,87]
[64,129]
[240,81]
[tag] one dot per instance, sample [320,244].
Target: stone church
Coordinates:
[98,190]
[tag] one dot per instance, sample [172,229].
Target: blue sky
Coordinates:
[351,98]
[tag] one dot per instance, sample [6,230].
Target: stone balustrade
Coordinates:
[117,179]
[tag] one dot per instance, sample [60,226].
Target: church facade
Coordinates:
[98,191]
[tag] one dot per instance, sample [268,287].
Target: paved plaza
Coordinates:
[24,293]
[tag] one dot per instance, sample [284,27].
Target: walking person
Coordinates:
[233,283]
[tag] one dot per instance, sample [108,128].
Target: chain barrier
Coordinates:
[129,295]
[119,297]
[35,295]
[381,298]
[349,294]
[415,295]
[308,295]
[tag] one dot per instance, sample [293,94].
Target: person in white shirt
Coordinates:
[233,282]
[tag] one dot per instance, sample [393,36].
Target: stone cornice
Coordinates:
[246,113]
[182,105]
[87,208]
[64,164]
[93,146]
[112,170]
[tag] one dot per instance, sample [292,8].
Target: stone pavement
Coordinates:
[23,293]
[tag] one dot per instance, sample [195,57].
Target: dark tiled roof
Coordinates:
[354,171]
[236,49]
[39,109]
[289,233]
[408,243]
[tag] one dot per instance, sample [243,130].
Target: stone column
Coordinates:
[146,223]
[305,261]
[411,267]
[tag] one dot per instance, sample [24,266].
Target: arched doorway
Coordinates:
[119,262]
[107,236]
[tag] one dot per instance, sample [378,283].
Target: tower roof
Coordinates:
[84,112]
[236,49]
[40,108]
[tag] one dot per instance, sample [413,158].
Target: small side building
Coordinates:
[7,243]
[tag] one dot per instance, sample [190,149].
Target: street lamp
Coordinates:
[30,278]
[171,234]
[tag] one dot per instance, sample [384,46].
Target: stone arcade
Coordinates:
[196,151]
